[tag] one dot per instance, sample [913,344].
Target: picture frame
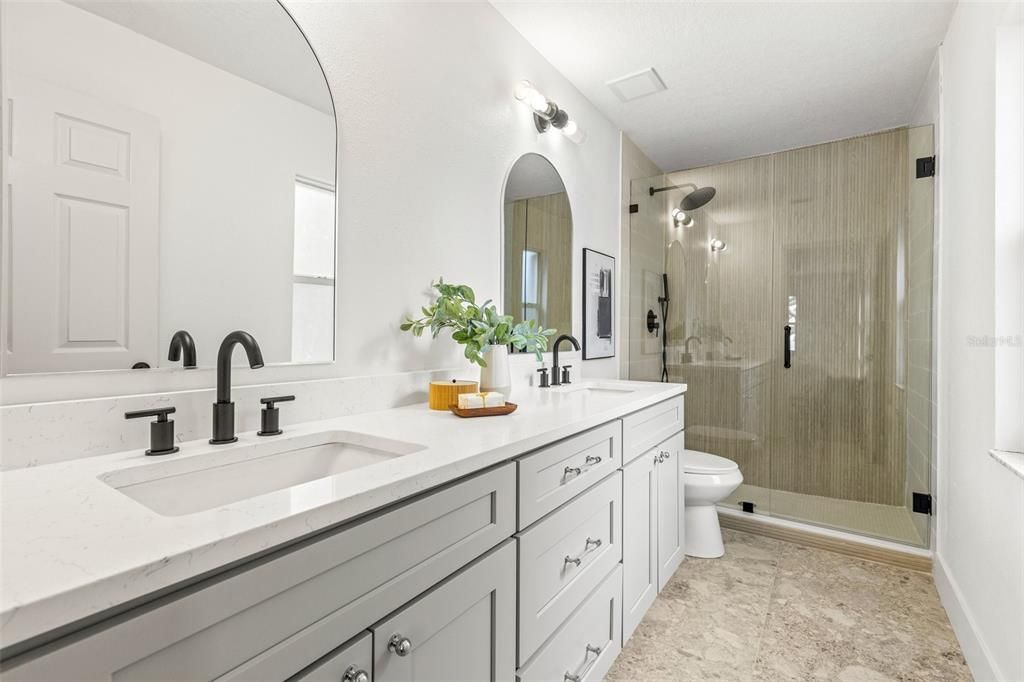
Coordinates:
[598,305]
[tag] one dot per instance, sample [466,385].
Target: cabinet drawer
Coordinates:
[273,617]
[554,475]
[463,629]
[642,430]
[564,557]
[348,664]
[587,643]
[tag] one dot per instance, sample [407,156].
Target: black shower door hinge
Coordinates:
[634,208]
[922,503]
[926,167]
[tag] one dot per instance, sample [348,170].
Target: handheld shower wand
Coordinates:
[663,302]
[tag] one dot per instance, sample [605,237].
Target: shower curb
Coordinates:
[847,544]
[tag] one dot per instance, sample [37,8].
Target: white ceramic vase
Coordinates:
[496,376]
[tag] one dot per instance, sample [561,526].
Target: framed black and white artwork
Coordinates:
[598,305]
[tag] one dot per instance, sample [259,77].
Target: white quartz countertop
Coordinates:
[74,546]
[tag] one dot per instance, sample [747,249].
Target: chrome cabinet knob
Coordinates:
[399,645]
[353,674]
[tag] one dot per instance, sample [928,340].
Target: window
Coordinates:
[531,285]
[313,268]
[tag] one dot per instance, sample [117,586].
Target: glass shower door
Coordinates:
[838,400]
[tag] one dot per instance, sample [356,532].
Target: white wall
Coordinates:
[980,517]
[428,132]
[230,152]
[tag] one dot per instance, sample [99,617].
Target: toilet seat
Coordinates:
[697,462]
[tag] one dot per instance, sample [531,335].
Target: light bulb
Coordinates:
[539,103]
[523,90]
[570,128]
[717,245]
[688,222]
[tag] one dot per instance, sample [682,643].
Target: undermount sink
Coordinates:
[595,389]
[214,479]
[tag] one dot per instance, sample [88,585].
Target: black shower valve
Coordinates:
[652,322]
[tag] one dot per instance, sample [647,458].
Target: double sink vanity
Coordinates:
[360,548]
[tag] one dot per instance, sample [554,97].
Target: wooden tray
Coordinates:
[507,408]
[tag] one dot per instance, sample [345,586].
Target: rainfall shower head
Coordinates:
[697,198]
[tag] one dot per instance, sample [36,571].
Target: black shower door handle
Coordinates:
[787,356]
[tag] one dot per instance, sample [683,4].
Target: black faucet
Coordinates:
[224,409]
[182,344]
[556,378]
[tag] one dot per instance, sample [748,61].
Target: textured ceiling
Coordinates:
[743,78]
[252,39]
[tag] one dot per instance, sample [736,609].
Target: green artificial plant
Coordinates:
[476,326]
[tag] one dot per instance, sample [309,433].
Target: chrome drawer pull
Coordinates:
[399,645]
[570,677]
[593,460]
[586,548]
[353,674]
[572,471]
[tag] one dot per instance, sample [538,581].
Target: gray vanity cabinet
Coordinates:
[639,539]
[671,549]
[275,616]
[652,509]
[352,662]
[463,629]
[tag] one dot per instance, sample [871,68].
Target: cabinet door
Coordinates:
[671,547]
[463,629]
[639,539]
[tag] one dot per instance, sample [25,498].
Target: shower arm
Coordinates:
[654,190]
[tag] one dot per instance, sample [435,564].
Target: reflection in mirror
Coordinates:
[173,168]
[538,245]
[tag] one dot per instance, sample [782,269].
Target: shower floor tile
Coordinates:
[877,520]
[773,610]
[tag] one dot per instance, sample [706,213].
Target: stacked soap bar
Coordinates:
[488,399]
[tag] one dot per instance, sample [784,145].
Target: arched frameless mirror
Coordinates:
[537,269]
[174,169]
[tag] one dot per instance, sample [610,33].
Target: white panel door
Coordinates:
[671,548]
[639,540]
[84,220]
[462,630]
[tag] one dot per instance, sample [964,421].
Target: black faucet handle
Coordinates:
[161,432]
[269,402]
[159,412]
[270,417]
[544,383]
[565,374]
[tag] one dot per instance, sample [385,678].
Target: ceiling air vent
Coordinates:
[637,85]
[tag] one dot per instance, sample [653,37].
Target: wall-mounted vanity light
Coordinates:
[717,246]
[546,114]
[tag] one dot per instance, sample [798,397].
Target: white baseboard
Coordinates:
[979,658]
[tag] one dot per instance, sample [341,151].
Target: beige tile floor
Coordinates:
[772,610]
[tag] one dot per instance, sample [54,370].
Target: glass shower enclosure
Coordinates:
[796,305]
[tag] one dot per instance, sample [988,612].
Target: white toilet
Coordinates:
[707,480]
